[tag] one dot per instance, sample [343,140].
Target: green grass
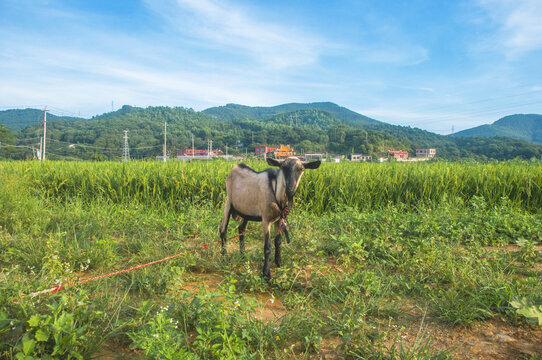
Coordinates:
[361,186]
[352,275]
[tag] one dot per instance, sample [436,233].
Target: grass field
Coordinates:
[387,261]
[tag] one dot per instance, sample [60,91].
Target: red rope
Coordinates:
[62,286]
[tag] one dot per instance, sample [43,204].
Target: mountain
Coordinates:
[235,111]
[240,128]
[17,119]
[527,127]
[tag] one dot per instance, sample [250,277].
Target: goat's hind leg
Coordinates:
[266,249]
[242,228]
[224,225]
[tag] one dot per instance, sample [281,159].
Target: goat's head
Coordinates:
[293,169]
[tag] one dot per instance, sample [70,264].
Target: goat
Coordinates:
[264,196]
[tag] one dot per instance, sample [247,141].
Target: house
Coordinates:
[426,153]
[399,155]
[189,154]
[199,152]
[262,150]
[283,152]
[360,157]
[314,157]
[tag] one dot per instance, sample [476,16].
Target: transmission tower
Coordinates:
[165,132]
[126,155]
[44,132]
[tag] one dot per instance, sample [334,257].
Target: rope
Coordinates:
[63,286]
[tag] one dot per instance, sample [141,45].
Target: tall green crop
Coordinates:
[361,186]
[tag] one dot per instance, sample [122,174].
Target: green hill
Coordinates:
[307,129]
[527,127]
[17,119]
[235,111]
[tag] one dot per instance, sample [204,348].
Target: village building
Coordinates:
[283,152]
[309,157]
[399,155]
[426,153]
[360,157]
[263,150]
[189,154]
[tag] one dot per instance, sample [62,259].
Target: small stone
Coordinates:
[504,338]
[487,333]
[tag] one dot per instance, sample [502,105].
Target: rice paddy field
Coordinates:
[387,261]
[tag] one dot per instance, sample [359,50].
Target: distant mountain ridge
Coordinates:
[236,111]
[527,127]
[315,127]
[18,119]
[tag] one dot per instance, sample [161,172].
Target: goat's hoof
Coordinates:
[267,275]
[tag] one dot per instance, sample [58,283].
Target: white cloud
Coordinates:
[395,54]
[221,24]
[519,21]
[88,81]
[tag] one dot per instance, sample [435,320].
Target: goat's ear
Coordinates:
[273,162]
[312,164]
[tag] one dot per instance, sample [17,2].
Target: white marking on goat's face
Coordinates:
[293,169]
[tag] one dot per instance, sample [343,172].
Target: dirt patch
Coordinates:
[111,351]
[199,279]
[493,339]
[271,308]
[509,248]
[328,348]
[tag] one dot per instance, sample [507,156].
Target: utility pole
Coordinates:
[192,146]
[165,131]
[44,132]
[226,151]
[126,154]
[41,148]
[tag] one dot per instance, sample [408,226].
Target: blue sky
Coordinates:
[428,64]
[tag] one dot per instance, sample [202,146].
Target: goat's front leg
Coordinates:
[266,249]
[278,242]
[242,229]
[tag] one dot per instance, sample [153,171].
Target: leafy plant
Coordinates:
[532,312]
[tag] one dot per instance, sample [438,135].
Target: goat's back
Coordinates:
[250,191]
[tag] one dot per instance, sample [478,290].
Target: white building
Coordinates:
[426,153]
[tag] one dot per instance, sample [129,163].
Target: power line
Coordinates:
[104,148]
[439,118]
[17,146]
[480,101]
